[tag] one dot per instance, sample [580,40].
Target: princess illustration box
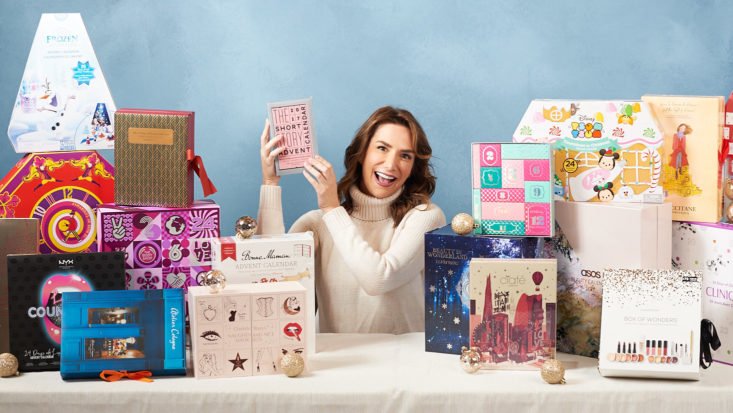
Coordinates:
[513,311]
[604,150]
[693,132]
[122,330]
[245,329]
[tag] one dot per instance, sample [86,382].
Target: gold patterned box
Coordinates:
[154,150]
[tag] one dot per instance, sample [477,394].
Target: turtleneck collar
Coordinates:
[369,208]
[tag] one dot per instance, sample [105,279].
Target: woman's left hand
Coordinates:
[319,173]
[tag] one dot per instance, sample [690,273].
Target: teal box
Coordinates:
[491,177]
[537,192]
[525,151]
[496,227]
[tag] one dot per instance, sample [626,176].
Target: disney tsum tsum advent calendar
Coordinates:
[605,151]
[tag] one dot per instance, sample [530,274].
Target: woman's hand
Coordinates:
[267,155]
[320,174]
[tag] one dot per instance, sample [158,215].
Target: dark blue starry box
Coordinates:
[447,256]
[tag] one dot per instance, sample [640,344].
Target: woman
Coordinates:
[370,226]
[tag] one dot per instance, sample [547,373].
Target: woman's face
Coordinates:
[388,161]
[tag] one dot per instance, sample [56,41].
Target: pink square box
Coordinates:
[536,170]
[490,154]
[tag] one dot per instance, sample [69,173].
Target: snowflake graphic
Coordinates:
[450,272]
[456,320]
[555,131]
[444,306]
[649,133]
[525,131]
[431,288]
[449,346]
[618,132]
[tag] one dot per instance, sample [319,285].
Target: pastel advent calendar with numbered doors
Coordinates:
[512,192]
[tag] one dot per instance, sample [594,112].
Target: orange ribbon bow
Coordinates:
[114,375]
[198,166]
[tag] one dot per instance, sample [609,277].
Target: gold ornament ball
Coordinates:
[292,364]
[215,280]
[8,365]
[729,188]
[470,359]
[245,227]
[729,212]
[553,372]
[462,224]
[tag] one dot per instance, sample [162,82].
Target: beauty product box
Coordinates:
[17,236]
[35,286]
[513,311]
[651,324]
[122,330]
[154,150]
[604,151]
[707,248]
[447,257]
[591,237]
[244,329]
[293,119]
[693,132]
[63,102]
[61,190]
[268,259]
[165,247]
[512,192]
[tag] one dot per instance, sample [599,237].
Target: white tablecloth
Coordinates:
[380,373]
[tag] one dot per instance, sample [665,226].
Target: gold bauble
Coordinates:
[462,224]
[8,365]
[729,188]
[215,280]
[553,372]
[245,227]
[470,359]
[729,212]
[292,364]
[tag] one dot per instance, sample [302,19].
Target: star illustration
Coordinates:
[456,320]
[449,346]
[432,288]
[238,362]
[450,272]
[444,306]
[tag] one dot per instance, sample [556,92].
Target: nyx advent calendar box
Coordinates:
[35,286]
[447,256]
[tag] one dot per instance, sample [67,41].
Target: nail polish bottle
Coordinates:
[647,347]
[665,347]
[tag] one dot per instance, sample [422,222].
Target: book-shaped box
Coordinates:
[604,150]
[293,119]
[245,329]
[513,311]
[123,330]
[512,192]
[35,286]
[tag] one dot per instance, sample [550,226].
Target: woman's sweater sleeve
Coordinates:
[378,273]
[270,213]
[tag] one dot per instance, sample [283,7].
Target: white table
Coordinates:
[376,373]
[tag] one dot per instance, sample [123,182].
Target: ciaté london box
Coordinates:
[165,247]
[651,324]
[447,257]
[36,283]
[154,149]
[122,330]
[512,191]
[513,309]
[293,120]
[591,237]
[17,236]
[61,190]
[693,132]
[268,259]
[603,150]
[245,329]
[707,248]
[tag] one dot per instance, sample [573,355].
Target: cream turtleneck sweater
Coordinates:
[369,273]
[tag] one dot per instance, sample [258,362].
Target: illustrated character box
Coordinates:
[35,286]
[512,192]
[447,257]
[270,259]
[245,329]
[123,330]
[61,190]
[604,151]
[513,310]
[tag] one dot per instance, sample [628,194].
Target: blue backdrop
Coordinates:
[467,70]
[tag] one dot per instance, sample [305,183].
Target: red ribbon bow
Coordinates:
[198,166]
[114,375]
[725,147]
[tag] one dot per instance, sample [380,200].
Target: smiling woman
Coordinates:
[370,226]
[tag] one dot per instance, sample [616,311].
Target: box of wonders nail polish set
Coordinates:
[270,259]
[447,258]
[651,324]
[244,329]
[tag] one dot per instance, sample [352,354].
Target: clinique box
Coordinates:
[651,324]
[36,283]
[123,330]
[594,236]
[447,257]
[245,329]
[707,248]
[268,259]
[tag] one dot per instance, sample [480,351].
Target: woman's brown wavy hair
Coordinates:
[418,187]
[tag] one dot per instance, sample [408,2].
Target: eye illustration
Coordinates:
[210,335]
